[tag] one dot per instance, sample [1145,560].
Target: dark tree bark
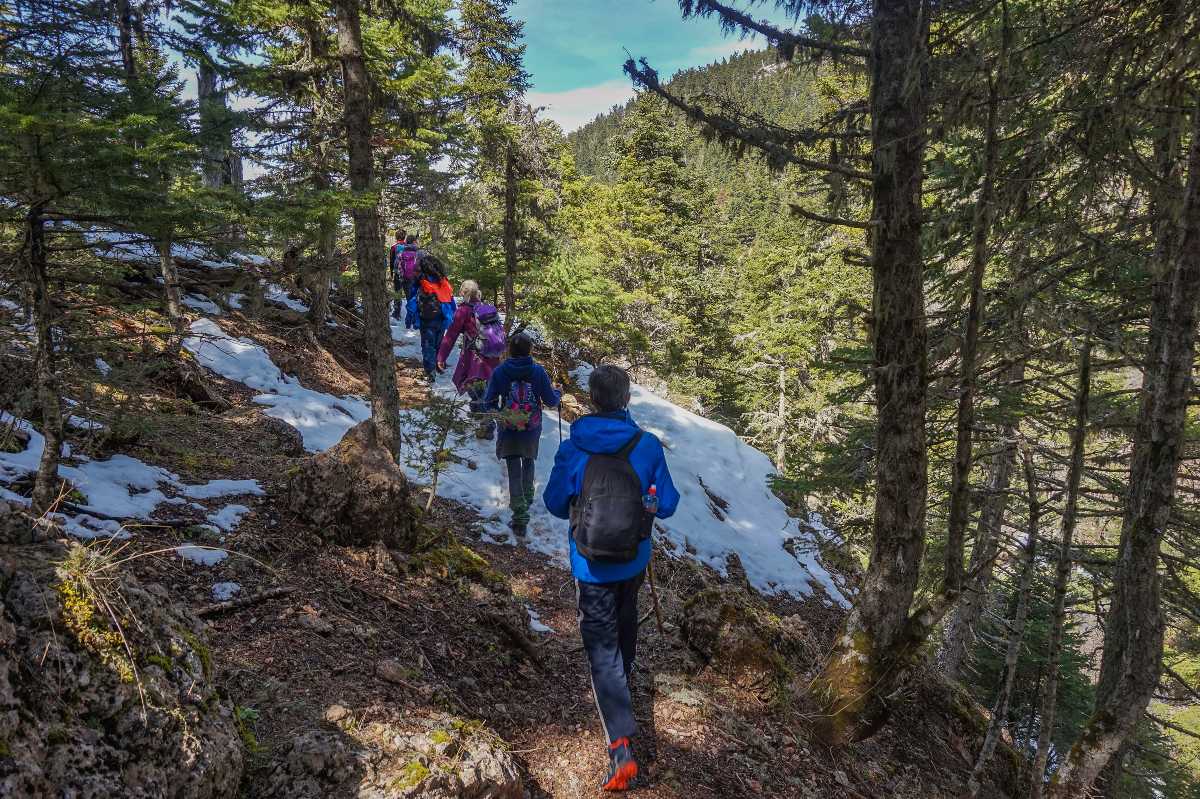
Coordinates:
[368,243]
[1048,700]
[322,182]
[872,651]
[171,290]
[46,483]
[1016,634]
[1133,633]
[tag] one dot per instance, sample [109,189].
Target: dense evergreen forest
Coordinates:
[939,263]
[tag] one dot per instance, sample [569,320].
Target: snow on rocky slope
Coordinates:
[727,506]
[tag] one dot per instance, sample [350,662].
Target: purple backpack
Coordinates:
[409,262]
[490,341]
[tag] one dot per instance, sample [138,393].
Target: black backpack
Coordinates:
[608,519]
[429,307]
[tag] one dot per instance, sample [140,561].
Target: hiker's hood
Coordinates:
[519,368]
[603,432]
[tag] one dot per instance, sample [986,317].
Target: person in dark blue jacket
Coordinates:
[519,388]
[607,592]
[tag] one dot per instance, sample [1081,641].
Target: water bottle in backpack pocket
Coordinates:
[490,341]
[522,408]
[609,519]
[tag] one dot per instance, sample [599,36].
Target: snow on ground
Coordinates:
[228,518]
[727,506]
[223,592]
[102,367]
[743,516]
[277,293]
[83,423]
[9,305]
[120,486]
[202,555]
[201,303]
[322,419]
[235,301]
[536,624]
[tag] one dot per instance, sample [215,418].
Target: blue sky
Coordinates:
[575,49]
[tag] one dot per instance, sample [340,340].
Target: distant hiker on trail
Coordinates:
[610,479]
[520,387]
[410,270]
[395,271]
[483,345]
[433,305]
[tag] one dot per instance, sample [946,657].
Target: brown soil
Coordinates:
[286,660]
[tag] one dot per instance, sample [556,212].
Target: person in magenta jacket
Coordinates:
[473,371]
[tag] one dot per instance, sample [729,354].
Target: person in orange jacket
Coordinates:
[434,305]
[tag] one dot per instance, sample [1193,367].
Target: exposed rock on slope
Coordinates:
[88,709]
[354,494]
[453,759]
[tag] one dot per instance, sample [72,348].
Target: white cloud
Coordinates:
[574,108]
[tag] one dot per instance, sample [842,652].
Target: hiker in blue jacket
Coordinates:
[519,388]
[610,568]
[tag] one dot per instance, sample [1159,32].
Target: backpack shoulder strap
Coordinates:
[627,450]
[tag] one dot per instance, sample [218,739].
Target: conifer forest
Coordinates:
[907,291]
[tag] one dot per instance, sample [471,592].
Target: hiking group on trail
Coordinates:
[609,481]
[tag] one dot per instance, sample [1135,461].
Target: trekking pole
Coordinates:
[654,594]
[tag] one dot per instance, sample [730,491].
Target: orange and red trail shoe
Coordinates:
[622,768]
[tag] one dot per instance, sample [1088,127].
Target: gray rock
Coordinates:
[105,725]
[449,759]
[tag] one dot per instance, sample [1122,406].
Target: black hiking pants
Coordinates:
[520,488]
[608,623]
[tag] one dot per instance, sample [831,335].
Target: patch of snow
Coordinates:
[81,423]
[235,300]
[214,489]
[249,258]
[102,367]
[201,303]
[228,518]
[276,293]
[536,624]
[9,305]
[120,486]
[202,555]
[223,592]
[322,419]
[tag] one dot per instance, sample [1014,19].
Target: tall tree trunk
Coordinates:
[510,235]
[322,181]
[1048,700]
[1133,632]
[174,297]
[960,632]
[46,483]
[870,655]
[1016,632]
[368,243]
[222,164]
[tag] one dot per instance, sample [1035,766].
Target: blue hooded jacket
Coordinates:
[501,381]
[608,432]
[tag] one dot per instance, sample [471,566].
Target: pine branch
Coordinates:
[828,220]
[786,41]
[727,129]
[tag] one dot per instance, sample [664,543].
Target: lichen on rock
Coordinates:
[101,694]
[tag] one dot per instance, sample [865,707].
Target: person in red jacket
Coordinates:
[435,307]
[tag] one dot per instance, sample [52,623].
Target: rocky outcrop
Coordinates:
[449,759]
[105,684]
[355,494]
[734,633]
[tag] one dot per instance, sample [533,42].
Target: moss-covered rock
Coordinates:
[102,692]
[454,561]
[447,758]
[355,494]
[730,630]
